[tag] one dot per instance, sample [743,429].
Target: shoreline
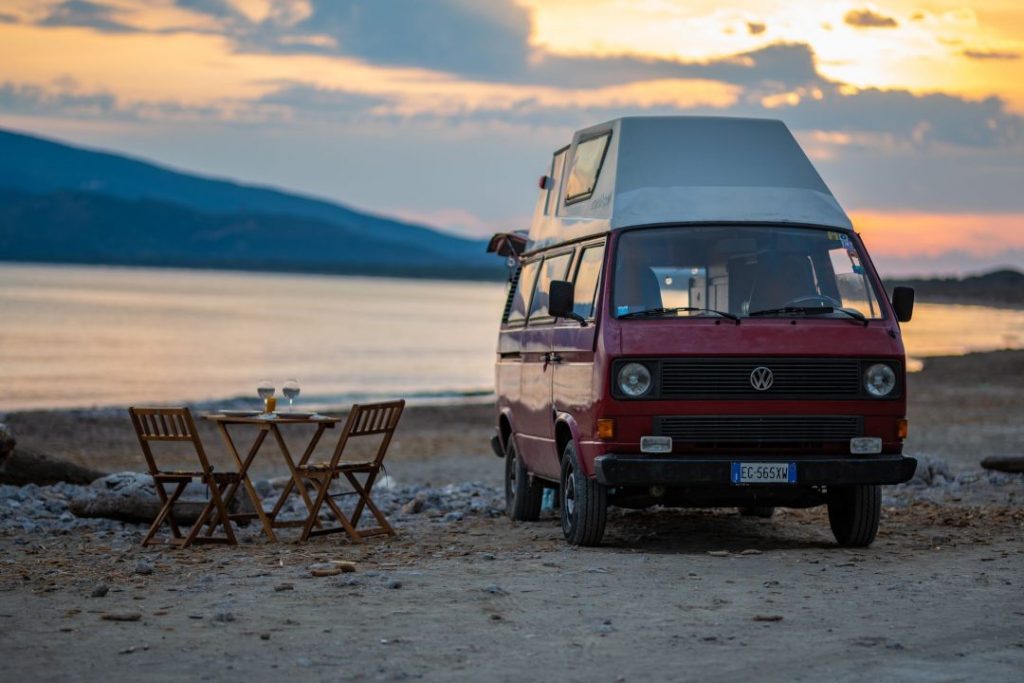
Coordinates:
[961,409]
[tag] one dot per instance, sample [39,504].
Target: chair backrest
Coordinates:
[371,419]
[166,424]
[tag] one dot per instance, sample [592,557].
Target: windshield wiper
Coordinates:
[812,310]
[803,310]
[654,312]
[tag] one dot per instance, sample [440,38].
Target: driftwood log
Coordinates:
[132,497]
[1004,463]
[20,466]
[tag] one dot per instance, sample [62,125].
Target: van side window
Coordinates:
[557,166]
[554,268]
[521,296]
[585,168]
[588,274]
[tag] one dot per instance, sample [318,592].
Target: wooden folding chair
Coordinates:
[176,424]
[370,420]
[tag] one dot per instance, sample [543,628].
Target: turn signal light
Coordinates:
[901,429]
[606,429]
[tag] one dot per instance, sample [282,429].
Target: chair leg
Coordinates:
[322,481]
[165,513]
[343,519]
[215,504]
[364,498]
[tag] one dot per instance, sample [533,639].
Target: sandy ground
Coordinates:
[938,597]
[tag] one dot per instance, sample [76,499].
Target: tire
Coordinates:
[854,512]
[762,511]
[584,502]
[522,497]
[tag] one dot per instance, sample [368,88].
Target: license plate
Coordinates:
[764,473]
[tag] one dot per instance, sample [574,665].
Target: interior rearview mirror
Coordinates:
[561,297]
[903,303]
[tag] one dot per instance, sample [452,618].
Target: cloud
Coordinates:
[83,13]
[756,28]
[990,54]
[868,18]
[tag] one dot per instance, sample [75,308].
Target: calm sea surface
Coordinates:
[85,336]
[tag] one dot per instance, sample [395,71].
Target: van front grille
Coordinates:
[730,378]
[752,430]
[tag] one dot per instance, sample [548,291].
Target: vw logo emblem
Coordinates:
[761,378]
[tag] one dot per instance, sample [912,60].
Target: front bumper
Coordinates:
[634,469]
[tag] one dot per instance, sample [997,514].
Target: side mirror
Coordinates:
[561,297]
[903,303]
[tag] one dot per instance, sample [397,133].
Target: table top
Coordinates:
[278,418]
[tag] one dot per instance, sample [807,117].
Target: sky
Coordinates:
[446,112]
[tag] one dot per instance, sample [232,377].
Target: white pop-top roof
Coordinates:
[687,169]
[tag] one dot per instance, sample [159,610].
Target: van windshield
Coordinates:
[742,271]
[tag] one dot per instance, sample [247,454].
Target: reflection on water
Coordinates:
[73,336]
[78,336]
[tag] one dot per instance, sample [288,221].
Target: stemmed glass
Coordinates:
[266,391]
[291,392]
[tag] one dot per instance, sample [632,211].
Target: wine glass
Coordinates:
[291,392]
[266,391]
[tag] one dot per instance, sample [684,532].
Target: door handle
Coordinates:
[553,358]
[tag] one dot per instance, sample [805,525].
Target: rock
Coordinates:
[7,442]
[20,466]
[718,553]
[454,516]
[144,568]
[325,571]
[100,590]
[495,589]
[283,587]
[121,616]
[768,617]
[415,505]
[931,472]
[224,617]
[750,551]
[1004,463]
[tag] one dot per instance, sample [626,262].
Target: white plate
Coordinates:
[240,413]
[763,473]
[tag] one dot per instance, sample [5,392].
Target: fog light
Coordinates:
[655,444]
[606,428]
[902,429]
[865,445]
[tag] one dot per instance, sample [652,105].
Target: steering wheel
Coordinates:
[814,300]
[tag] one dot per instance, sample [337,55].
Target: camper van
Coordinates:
[692,321]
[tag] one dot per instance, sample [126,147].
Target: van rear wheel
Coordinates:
[584,502]
[854,513]
[522,496]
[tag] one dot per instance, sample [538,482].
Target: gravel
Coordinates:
[33,509]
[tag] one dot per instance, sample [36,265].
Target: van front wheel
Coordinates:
[854,512]
[584,502]
[522,496]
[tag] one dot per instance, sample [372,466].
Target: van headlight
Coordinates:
[880,380]
[634,380]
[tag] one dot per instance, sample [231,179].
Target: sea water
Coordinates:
[74,336]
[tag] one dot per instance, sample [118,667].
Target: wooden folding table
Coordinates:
[265,426]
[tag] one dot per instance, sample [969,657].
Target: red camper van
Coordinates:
[692,321]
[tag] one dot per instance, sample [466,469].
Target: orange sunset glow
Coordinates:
[913,111]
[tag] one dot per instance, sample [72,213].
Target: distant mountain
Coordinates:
[998,288]
[65,204]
